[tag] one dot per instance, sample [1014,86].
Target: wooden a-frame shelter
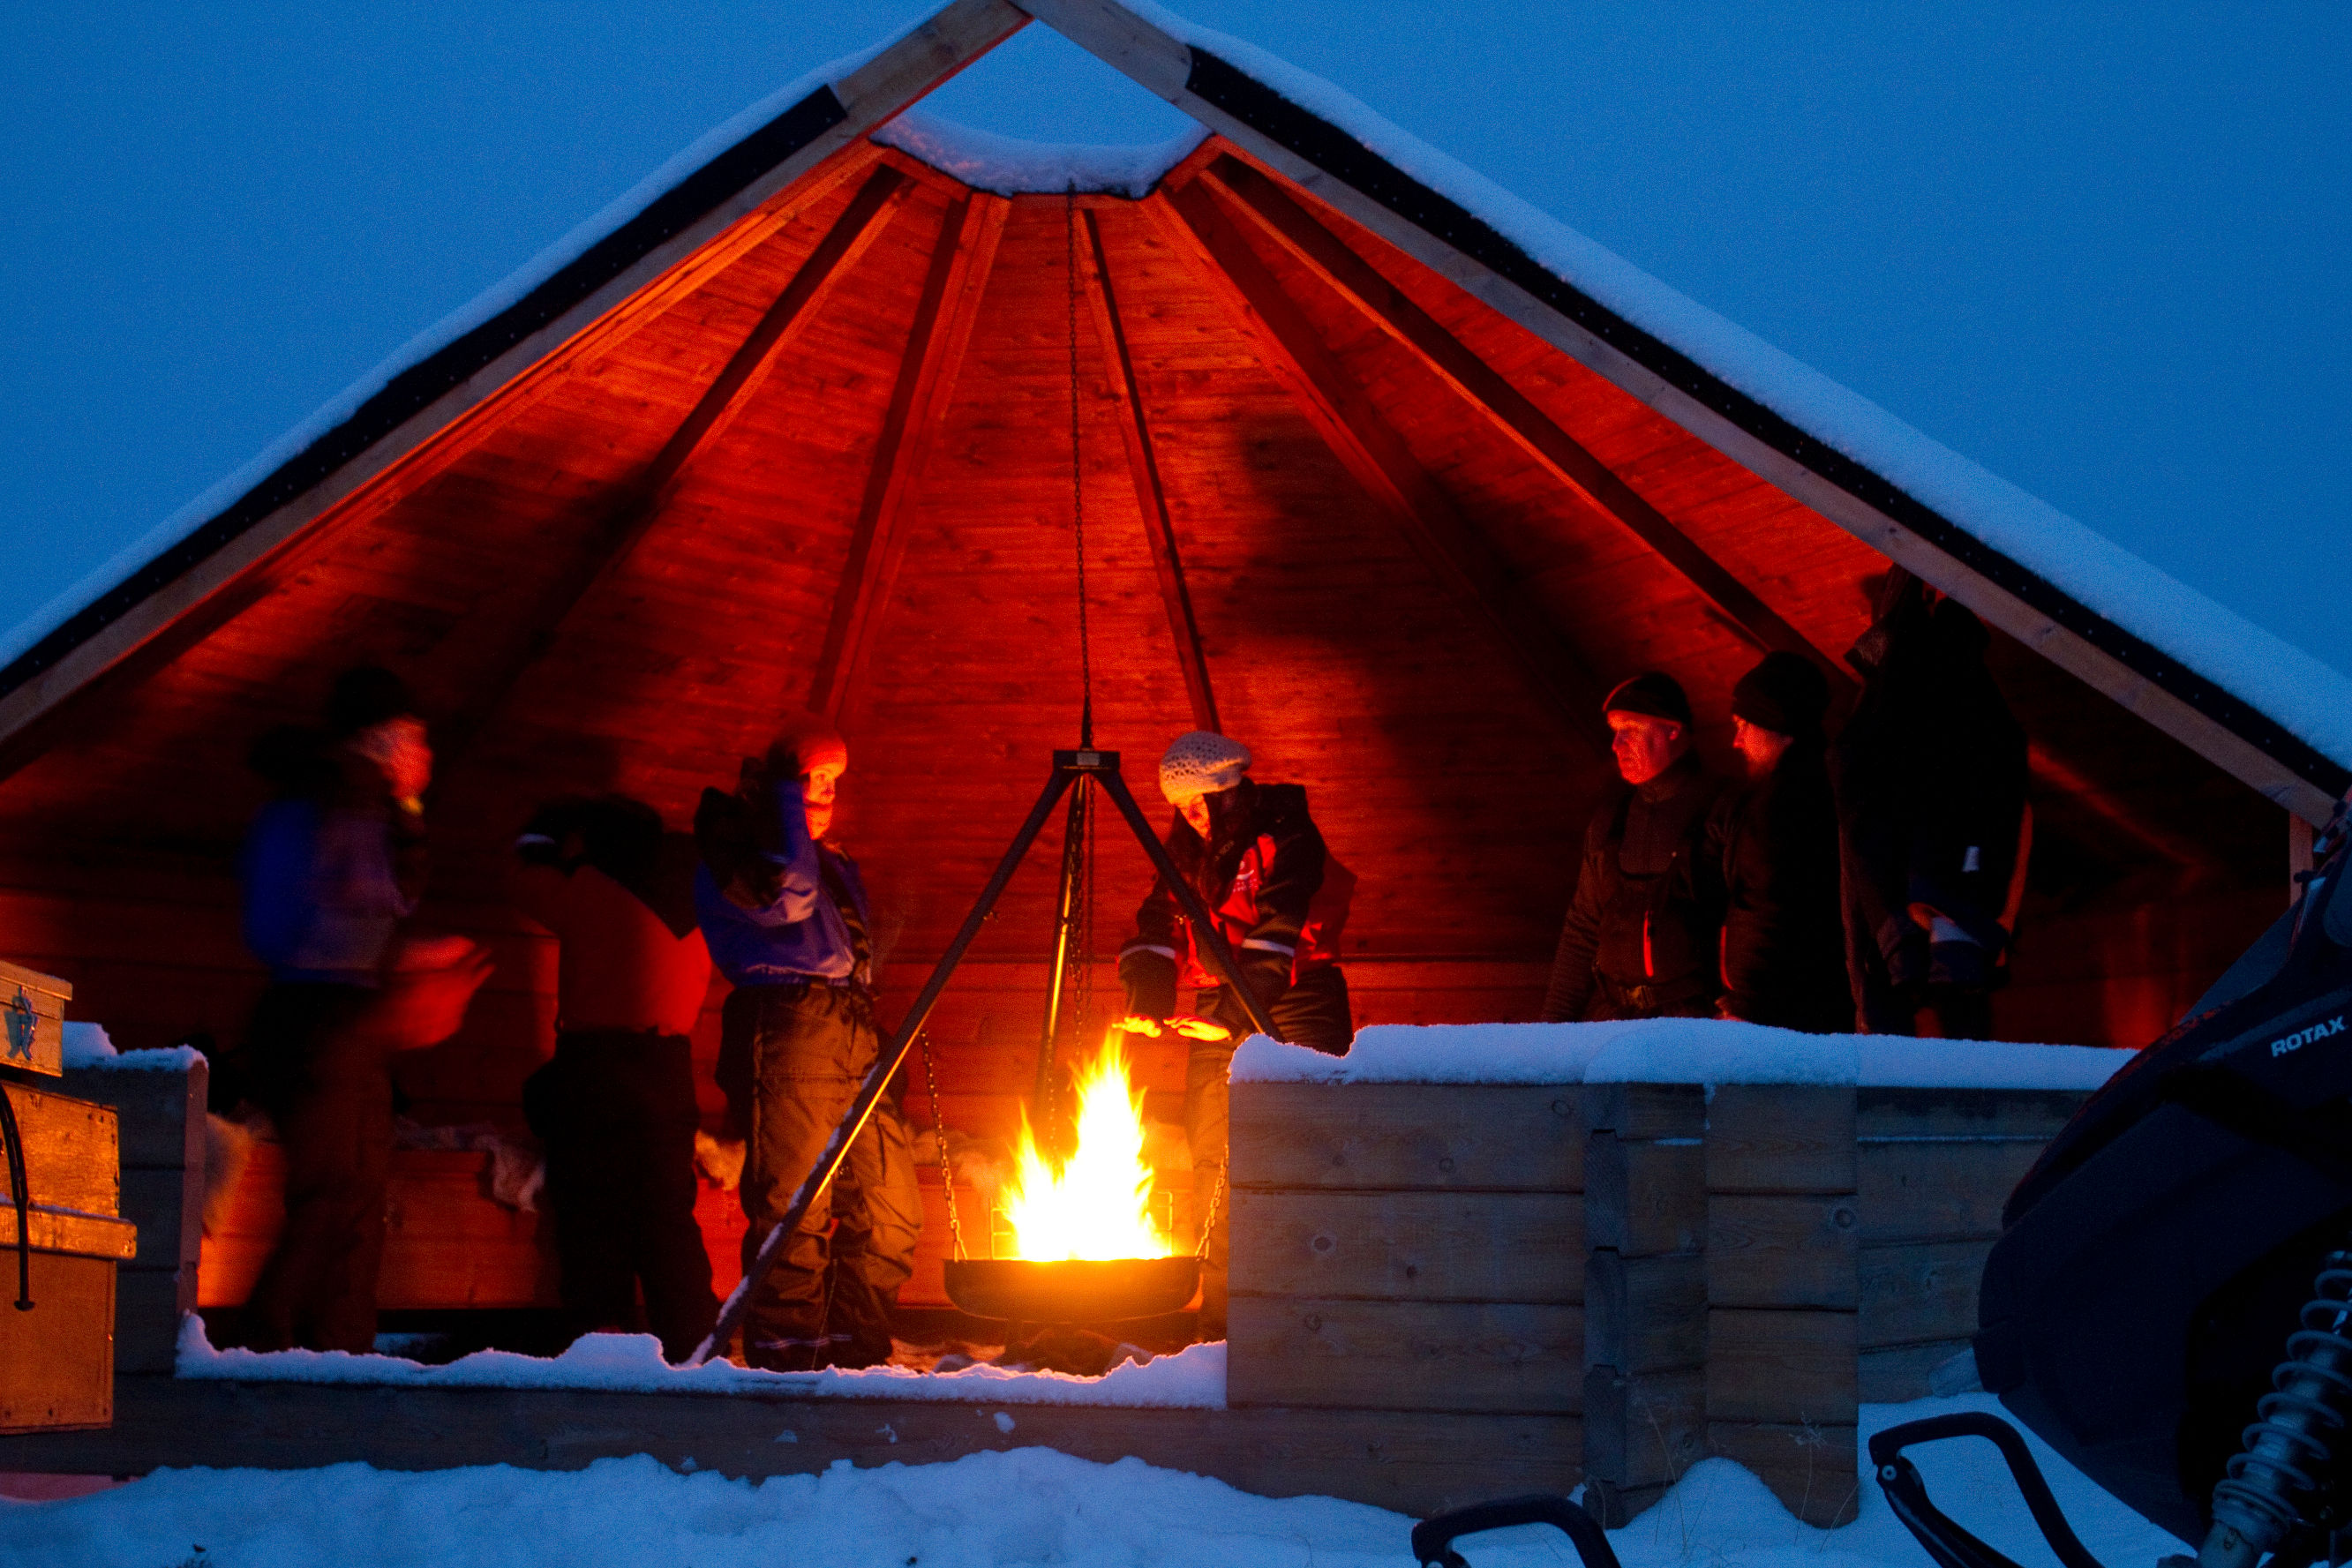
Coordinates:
[1383,474]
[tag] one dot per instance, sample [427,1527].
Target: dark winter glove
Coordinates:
[1150,981]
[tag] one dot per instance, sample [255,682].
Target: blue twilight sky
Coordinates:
[2104,250]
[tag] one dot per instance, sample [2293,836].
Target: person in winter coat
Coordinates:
[330,868]
[1930,774]
[1642,935]
[616,1105]
[1280,900]
[786,918]
[1775,837]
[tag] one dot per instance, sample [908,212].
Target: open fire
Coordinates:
[1098,1204]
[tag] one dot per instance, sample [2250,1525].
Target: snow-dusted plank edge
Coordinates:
[86,1045]
[1673,1051]
[1192,1379]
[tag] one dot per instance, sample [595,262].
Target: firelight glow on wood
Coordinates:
[1098,1205]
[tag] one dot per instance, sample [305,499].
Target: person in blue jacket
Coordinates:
[330,868]
[786,918]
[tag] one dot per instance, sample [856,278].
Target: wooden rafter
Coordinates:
[1457,553]
[632,514]
[1143,467]
[944,316]
[828,126]
[1256,200]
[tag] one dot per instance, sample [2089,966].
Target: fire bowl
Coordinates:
[1073,1289]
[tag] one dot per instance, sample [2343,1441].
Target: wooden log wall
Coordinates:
[1664,1271]
[1414,1250]
[1645,1292]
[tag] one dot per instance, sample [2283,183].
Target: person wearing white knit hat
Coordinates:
[1279,899]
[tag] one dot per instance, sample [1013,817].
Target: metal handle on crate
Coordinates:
[21,1186]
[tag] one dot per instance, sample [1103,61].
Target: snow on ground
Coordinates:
[1020,1506]
[1193,1378]
[1672,1051]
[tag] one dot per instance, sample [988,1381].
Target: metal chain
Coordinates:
[1077,473]
[1209,1225]
[939,1132]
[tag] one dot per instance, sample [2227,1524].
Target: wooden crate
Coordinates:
[57,1359]
[32,1019]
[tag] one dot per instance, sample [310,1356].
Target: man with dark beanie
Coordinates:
[786,914]
[1642,933]
[331,866]
[615,1106]
[1775,836]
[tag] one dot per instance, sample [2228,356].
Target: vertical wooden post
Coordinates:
[1784,1231]
[160,1117]
[1644,1292]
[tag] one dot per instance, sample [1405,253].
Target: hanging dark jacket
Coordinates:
[1776,840]
[1930,774]
[1641,933]
[1279,897]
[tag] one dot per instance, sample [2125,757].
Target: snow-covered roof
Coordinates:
[2286,703]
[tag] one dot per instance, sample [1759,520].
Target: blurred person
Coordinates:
[614,1105]
[330,868]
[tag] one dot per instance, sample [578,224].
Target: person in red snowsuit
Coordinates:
[1254,854]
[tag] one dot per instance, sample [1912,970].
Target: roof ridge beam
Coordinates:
[1260,202]
[1456,552]
[1151,493]
[945,314]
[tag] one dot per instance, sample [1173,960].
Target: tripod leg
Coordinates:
[886,1064]
[1205,929]
[1065,915]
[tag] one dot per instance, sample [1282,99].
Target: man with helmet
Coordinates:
[1254,854]
[787,921]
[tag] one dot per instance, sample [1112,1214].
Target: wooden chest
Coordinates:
[32,1019]
[56,1360]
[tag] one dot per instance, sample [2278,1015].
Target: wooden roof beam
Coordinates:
[640,503]
[945,314]
[1456,552]
[1150,494]
[1259,202]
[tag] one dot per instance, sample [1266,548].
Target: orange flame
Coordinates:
[1098,1205]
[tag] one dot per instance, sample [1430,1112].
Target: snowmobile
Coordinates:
[2170,1305]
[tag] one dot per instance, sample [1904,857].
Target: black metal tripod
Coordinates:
[1082,768]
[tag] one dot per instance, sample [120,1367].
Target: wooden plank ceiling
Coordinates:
[1391,539]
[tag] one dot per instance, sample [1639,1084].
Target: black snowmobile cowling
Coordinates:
[2152,1265]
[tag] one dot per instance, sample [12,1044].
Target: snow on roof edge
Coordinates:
[2305,696]
[1009,166]
[2309,698]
